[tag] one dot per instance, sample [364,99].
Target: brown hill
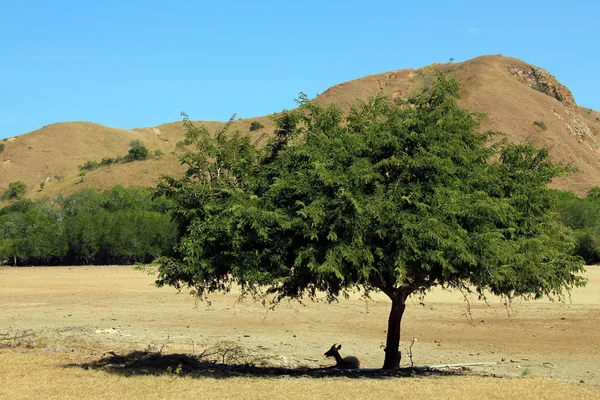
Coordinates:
[521,100]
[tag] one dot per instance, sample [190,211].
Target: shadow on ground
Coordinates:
[153,363]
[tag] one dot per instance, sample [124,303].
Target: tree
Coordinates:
[15,190]
[137,151]
[398,198]
[255,126]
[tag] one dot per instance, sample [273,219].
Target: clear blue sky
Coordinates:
[134,64]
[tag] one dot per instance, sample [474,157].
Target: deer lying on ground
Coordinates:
[349,362]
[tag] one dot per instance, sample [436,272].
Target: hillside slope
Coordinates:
[523,101]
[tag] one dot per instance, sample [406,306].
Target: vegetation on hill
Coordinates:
[119,226]
[15,190]
[137,152]
[506,89]
[394,197]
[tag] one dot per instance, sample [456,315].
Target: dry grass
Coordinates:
[27,375]
[487,86]
[72,316]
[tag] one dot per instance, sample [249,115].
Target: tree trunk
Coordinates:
[392,344]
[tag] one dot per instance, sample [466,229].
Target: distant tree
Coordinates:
[89,166]
[583,216]
[395,198]
[137,151]
[255,126]
[15,190]
[42,185]
[106,161]
[2,146]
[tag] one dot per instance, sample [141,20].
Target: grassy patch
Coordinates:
[540,124]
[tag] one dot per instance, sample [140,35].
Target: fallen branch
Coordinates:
[472,364]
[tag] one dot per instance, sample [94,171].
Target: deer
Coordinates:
[349,362]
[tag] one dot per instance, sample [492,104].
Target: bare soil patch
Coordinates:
[83,313]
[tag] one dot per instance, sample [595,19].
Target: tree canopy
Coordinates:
[119,226]
[394,197]
[15,190]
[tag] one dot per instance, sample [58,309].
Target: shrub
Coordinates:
[2,147]
[137,151]
[255,126]
[158,153]
[106,161]
[15,190]
[89,166]
[59,178]
[541,124]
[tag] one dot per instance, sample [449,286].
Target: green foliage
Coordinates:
[106,161]
[119,226]
[395,197]
[59,178]
[42,185]
[255,126]
[2,146]
[15,190]
[137,151]
[89,166]
[583,216]
[540,124]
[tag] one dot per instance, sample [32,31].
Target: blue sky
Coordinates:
[134,64]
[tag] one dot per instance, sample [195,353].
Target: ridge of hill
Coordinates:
[523,101]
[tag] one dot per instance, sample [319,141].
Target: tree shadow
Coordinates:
[155,363]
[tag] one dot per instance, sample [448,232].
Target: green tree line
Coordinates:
[582,215]
[119,226]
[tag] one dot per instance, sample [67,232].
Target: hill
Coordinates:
[521,100]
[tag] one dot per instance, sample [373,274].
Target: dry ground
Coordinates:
[75,315]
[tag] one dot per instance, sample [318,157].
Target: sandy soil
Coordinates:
[97,309]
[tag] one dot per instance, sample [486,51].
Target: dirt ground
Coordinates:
[93,310]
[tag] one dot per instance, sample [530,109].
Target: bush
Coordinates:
[137,151]
[2,147]
[158,153]
[541,124]
[107,161]
[15,190]
[255,126]
[89,166]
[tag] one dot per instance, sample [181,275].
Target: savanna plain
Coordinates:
[57,324]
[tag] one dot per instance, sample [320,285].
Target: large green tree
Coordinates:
[397,198]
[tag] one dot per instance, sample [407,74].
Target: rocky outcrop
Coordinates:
[542,81]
